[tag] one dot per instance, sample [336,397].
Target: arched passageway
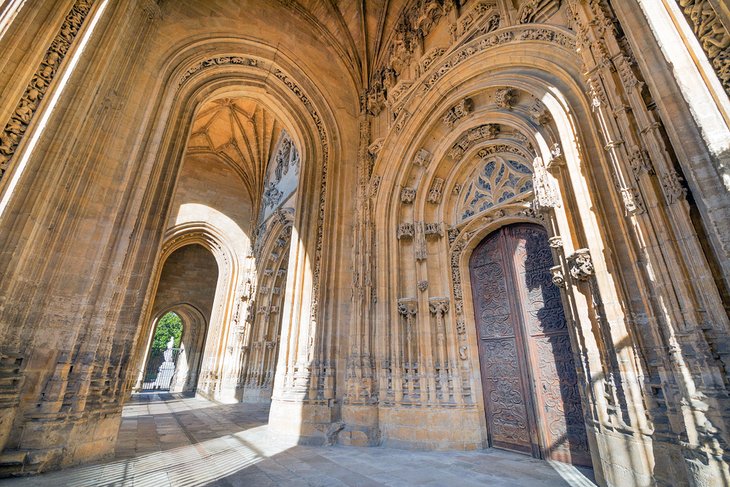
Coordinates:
[181,310]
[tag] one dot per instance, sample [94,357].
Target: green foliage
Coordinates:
[170,325]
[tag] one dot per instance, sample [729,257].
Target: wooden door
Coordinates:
[528,374]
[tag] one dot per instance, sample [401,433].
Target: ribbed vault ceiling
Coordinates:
[242,133]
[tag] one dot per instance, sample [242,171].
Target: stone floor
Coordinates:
[169,440]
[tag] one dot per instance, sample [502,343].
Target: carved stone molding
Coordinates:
[36,89]
[216,61]
[422,285]
[472,136]
[324,141]
[521,33]
[401,121]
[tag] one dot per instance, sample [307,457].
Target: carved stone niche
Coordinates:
[581,265]
[405,231]
[422,158]
[458,111]
[407,195]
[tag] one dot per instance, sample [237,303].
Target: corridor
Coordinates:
[172,440]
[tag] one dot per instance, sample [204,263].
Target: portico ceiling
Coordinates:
[239,132]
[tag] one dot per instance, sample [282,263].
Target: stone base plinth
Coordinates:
[431,429]
[302,422]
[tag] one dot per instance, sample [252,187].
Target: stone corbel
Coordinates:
[405,231]
[581,265]
[433,230]
[438,306]
[407,195]
[422,158]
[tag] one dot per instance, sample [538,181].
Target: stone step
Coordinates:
[12,463]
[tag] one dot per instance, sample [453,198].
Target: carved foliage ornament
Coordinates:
[216,61]
[16,127]
[713,36]
[458,111]
[543,34]
[482,132]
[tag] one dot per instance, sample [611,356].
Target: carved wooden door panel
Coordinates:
[523,339]
[553,370]
[509,415]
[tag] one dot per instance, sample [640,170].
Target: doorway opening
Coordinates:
[160,373]
[529,380]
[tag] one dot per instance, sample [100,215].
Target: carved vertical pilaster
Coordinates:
[408,309]
[438,308]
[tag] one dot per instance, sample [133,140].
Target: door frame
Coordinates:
[470,235]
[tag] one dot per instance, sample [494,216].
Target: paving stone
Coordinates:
[226,454]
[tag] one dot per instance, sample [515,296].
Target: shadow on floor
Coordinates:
[174,440]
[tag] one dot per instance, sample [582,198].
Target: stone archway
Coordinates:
[189,284]
[529,381]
